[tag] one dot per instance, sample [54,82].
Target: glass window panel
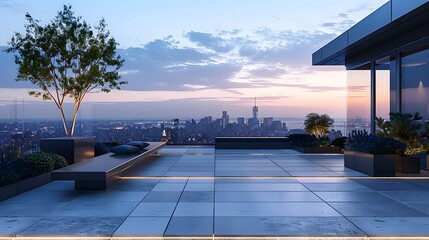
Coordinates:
[358,100]
[415,83]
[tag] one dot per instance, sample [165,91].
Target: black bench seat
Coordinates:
[100,172]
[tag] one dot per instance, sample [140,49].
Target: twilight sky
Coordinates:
[188,58]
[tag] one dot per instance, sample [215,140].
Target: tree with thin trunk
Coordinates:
[318,124]
[67,58]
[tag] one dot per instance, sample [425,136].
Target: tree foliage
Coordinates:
[404,127]
[318,125]
[66,58]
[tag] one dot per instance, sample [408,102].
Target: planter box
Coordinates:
[408,164]
[328,149]
[73,149]
[252,143]
[14,189]
[375,165]
[424,161]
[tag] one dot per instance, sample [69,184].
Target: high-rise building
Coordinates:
[254,122]
[255,111]
[240,120]
[174,137]
[225,119]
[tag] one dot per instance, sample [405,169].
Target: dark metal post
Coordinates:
[373,96]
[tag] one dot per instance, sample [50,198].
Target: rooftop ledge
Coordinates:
[391,20]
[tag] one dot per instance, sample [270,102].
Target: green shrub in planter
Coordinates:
[361,141]
[8,176]
[339,142]
[41,162]
[307,140]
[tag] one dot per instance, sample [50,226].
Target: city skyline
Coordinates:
[190,67]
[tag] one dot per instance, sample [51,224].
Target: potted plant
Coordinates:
[408,129]
[67,58]
[371,154]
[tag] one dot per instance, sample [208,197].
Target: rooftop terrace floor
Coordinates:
[201,192]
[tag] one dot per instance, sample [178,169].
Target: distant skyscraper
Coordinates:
[225,119]
[254,122]
[255,111]
[174,139]
[240,120]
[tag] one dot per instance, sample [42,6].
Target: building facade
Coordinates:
[387,60]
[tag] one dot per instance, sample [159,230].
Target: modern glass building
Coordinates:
[387,59]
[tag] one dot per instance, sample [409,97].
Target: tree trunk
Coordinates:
[63,118]
[75,111]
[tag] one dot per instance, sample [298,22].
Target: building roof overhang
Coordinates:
[398,20]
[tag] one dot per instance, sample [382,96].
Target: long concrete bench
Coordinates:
[100,172]
[252,143]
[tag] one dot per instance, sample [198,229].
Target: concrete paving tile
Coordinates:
[390,185]
[325,180]
[353,197]
[248,169]
[174,180]
[194,209]
[74,226]
[266,197]
[134,185]
[376,209]
[306,169]
[44,197]
[197,196]
[285,226]
[252,174]
[285,209]
[256,187]
[168,187]
[190,226]
[142,226]
[154,209]
[29,209]
[313,174]
[189,174]
[393,226]
[56,186]
[162,196]
[112,196]
[336,187]
[199,186]
[267,180]
[422,207]
[94,209]
[9,226]
[408,196]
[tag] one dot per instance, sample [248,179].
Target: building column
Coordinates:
[373,96]
[398,82]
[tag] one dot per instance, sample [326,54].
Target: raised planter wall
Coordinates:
[328,149]
[252,143]
[14,189]
[375,165]
[73,149]
[408,164]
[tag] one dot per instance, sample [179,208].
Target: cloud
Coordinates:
[227,59]
[210,41]
[11,5]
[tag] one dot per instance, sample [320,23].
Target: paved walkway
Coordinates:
[195,191]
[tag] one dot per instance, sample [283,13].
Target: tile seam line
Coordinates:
[175,207]
[367,235]
[40,219]
[129,215]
